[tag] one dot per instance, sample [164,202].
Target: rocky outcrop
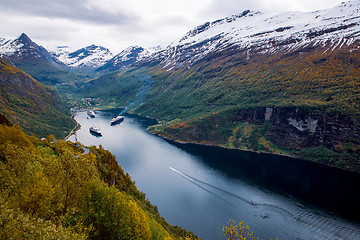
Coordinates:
[298,128]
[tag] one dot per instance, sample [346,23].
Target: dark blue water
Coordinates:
[200,188]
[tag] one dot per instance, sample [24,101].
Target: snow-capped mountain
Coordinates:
[23,49]
[127,58]
[33,59]
[88,57]
[9,47]
[254,32]
[91,58]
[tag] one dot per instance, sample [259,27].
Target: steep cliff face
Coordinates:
[312,134]
[306,128]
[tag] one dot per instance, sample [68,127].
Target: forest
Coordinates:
[54,189]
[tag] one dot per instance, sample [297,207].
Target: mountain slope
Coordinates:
[253,59]
[33,106]
[258,33]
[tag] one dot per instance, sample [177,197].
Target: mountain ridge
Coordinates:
[261,33]
[35,60]
[63,62]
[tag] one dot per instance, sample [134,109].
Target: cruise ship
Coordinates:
[95,131]
[116,120]
[91,113]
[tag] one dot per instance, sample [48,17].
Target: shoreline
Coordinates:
[216,145]
[77,127]
[256,152]
[228,148]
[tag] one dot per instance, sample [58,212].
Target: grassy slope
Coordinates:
[117,89]
[309,78]
[49,74]
[303,79]
[30,104]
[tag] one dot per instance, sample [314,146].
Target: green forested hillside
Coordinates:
[229,80]
[35,107]
[118,88]
[51,75]
[308,78]
[58,190]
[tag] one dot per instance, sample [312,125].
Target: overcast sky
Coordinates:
[117,24]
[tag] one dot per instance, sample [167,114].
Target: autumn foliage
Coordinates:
[56,190]
[238,231]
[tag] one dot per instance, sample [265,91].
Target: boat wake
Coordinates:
[323,226]
[191,179]
[188,177]
[197,182]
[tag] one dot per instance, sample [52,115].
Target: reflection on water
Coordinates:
[200,188]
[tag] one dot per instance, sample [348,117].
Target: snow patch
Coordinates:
[331,28]
[10,47]
[91,56]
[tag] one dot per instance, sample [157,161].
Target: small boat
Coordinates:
[116,120]
[95,131]
[91,113]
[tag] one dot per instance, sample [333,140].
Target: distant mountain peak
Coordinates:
[92,56]
[28,44]
[17,50]
[23,37]
[204,27]
[127,58]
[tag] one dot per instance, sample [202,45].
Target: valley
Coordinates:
[247,63]
[201,82]
[286,84]
[199,187]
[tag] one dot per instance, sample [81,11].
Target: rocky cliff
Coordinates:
[312,134]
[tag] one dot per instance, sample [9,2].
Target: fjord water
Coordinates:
[200,188]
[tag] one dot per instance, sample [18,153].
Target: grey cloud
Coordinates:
[68,9]
[229,7]
[224,8]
